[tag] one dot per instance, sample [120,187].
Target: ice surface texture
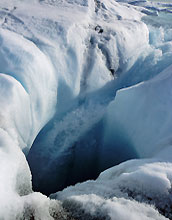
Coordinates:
[61,65]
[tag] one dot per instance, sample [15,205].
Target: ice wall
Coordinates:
[24,106]
[20,61]
[142,113]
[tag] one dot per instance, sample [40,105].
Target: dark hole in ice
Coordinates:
[99,29]
[112,71]
[53,169]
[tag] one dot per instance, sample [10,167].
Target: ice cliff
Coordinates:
[84,86]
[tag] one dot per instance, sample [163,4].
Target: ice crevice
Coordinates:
[85,94]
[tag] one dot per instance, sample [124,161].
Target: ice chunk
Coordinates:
[135,184]
[142,114]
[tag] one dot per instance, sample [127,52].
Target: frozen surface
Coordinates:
[142,113]
[128,187]
[61,64]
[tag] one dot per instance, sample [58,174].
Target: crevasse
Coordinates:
[74,102]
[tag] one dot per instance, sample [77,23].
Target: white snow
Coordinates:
[115,208]
[145,181]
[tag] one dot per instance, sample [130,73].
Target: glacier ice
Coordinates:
[20,59]
[85,85]
[142,113]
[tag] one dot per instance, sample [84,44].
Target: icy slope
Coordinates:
[61,63]
[141,113]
